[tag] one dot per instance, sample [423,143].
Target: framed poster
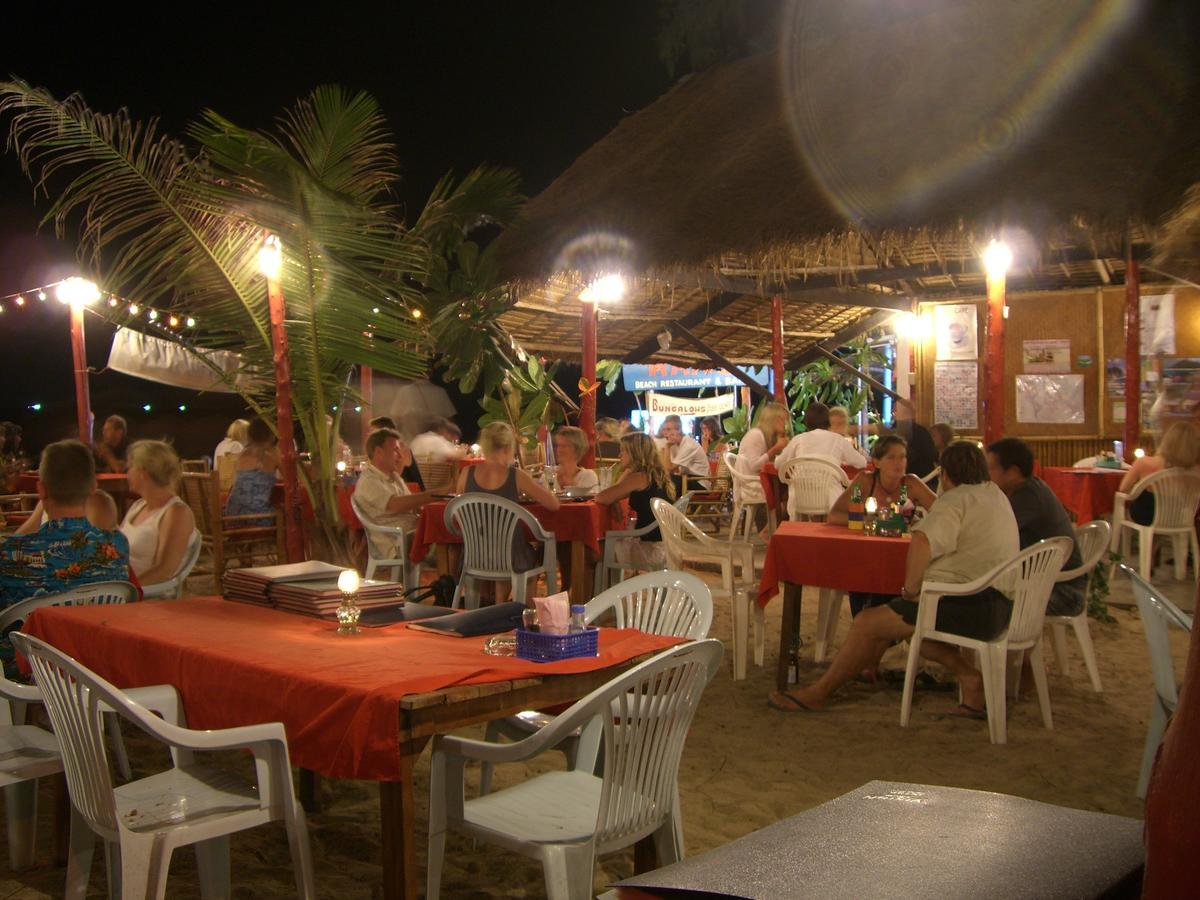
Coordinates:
[1046,357]
[956,394]
[954,329]
[1050,399]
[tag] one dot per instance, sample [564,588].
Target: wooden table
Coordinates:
[114,483]
[831,557]
[1088,493]
[359,707]
[582,525]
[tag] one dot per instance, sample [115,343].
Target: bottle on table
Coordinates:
[578,623]
[857,511]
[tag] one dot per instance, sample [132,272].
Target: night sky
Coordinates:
[529,85]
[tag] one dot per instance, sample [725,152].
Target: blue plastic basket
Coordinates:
[536,646]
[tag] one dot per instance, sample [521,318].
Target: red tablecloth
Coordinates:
[584,522]
[237,664]
[1088,493]
[113,482]
[821,555]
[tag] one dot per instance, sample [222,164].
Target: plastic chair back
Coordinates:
[1092,540]
[96,594]
[1158,614]
[673,525]
[1028,581]
[1086,463]
[741,481]
[487,525]
[437,476]
[392,531]
[814,484]
[662,602]
[1176,495]
[648,713]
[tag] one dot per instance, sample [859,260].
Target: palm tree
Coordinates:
[179,227]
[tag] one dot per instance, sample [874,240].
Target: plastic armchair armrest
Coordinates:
[158,587]
[631,532]
[394,530]
[17,692]
[163,699]
[539,533]
[534,745]
[1120,497]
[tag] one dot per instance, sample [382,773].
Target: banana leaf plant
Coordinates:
[822,381]
[527,400]
[179,225]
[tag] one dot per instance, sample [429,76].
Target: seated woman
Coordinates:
[643,478]
[570,446]
[496,475]
[760,445]
[608,437]
[969,531]
[159,526]
[234,443]
[1180,449]
[889,482]
[254,479]
[712,438]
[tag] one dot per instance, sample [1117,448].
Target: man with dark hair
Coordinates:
[1039,515]
[922,452]
[381,422]
[381,492]
[439,443]
[818,440]
[967,533]
[110,450]
[67,551]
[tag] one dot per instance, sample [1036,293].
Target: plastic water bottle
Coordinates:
[577,621]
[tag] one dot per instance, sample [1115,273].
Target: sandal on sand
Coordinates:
[785,702]
[962,711]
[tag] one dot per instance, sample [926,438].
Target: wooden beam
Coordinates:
[847,334]
[649,347]
[857,373]
[720,360]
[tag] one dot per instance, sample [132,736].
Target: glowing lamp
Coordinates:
[270,257]
[20,301]
[997,259]
[416,314]
[604,289]
[1139,453]
[77,292]
[348,611]
[134,309]
[871,506]
[340,465]
[191,323]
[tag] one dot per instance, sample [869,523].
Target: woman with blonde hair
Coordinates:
[1180,449]
[235,440]
[643,478]
[159,526]
[570,446]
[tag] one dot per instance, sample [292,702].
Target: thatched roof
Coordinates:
[872,166]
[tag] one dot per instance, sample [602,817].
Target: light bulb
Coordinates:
[871,506]
[997,258]
[41,295]
[152,315]
[77,292]
[20,301]
[270,257]
[604,289]
[1139,453]
[416,314]
[191,323]
[113,302]
[173,321]
[340,465]
[348,581]
[134,309]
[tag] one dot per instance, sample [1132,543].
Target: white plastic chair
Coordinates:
[1092,541]
[410,572]
[685,542]
[172,589]
[142,822]
[747,496]
[567,819]
[1027,579]
[609,563]
[814,484]
[1176,495]
[1158,615]
[662,602]
[487,525]
[936,472]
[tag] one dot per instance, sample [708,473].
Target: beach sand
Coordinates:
[745,766]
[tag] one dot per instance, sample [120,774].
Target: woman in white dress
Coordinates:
[159,526]
[761,444]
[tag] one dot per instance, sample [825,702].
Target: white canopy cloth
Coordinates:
[167,362]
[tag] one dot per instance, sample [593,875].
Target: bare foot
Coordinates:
[972,689]
[809,697]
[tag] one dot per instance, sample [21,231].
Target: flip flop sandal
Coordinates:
[962,711]
[787,703]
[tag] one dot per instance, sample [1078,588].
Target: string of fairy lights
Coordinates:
[75,290]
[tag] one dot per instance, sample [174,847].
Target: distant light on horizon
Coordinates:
[36,407]
[146,407]
[183,407]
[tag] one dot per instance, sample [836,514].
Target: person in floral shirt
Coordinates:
[68,550]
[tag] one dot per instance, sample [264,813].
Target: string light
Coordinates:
[71,290]
[113,302]
[191,322]
[173,321]
[134,309]
[152,315]
[42,296]
[416,313]
[20,301]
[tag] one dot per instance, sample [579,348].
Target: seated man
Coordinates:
[68,550]
[1039,514]
[967,532]
[113,444]
[684,453]
[819,439]
[439,444]
[381,492]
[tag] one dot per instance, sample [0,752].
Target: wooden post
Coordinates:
[366,389]
[993,391]
[83,400]
[777,345]
[1133,355]
[283,423]
[587,402]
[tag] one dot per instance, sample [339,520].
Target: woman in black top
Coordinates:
[643,478]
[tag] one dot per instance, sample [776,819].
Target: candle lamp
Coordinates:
[348,611]
[870,511]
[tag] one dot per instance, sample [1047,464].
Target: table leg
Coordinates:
[310,791]
[442,555]
[789,635]
[62,819]
[397,818]
[580,586]
[645,856]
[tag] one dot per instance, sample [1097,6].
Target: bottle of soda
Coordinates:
[856,512]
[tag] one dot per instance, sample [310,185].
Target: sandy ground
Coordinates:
[745,766]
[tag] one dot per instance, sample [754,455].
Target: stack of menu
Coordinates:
[308,587]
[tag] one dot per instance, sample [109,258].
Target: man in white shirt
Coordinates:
[381,492]
[685,453]
[818,440]
[439,444]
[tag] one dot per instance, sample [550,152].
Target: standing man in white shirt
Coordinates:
[381,492]
[439,444]
[818,440]
[685,453]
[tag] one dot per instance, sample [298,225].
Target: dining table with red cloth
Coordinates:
[776,491]
[831,557]
[582,524]
[1089,493]
[356,706]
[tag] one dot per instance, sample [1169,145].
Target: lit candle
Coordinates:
[1139,453]
[871,506]
[348,612]
[341,467]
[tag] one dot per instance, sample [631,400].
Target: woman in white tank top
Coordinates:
[159,526]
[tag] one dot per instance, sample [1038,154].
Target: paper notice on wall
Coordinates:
[956,394]
[954,331]
[1050,399]
[665,405]
[1044,357]
[1158,324]
[1118,413]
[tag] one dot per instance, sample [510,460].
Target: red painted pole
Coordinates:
[777,345]
[587,402]
[83,401]
[1133,356]
[993,397]
[283,423]
[366,387]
